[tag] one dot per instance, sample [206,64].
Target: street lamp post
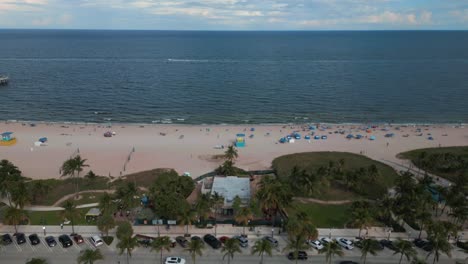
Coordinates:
[272,232]
[389,233]
[44,229]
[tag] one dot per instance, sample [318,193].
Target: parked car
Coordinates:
[302,255]
[196,238]
[174,260]
[388,244]
[325,240]
[223,239]
[182,241]
[50,240]
[78,239]
[6,238]
[348,262]
[243,242]
[212,241]
[423,244]
[65,241]
[462,245]
[273,241]
[20,238]
[315,244]
[34,239]
[96,241]
[345,243]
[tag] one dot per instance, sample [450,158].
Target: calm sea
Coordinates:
[234,77]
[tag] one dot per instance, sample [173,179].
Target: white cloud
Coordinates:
[461,15]
[22,5]
[389,17]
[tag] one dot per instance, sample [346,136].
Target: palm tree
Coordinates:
[261,247]
[72,167]
[360,215]
[203,205]
[296,244]
[90,256]
[160,244]
[70,212]
[37,261]
[405,248]
[106,204]
[186,219]
[243,215]
[217,201]
[126,194]
[231,246]
[13,216]
[127,244]
[20,195]
[273,196]
[195,247]
[369,246]
[231,153]
[105,223]
[437,236]
[331,249]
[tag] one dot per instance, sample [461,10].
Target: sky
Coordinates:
[235,14]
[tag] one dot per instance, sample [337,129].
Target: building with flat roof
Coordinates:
[229,187]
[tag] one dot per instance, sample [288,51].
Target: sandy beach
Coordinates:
[190,148]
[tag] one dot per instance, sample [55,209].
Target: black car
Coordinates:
[212,241]
[6,238]
[387,243]
[50,240]
[302,255]
[348,262]
[20,238]
[182,241]
[34,239]
[423,244]
[379,245]
[65,240]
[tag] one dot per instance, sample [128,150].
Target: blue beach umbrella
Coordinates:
[349,136]
[307,137]
[372,137]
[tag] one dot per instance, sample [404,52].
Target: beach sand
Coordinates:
[162,146]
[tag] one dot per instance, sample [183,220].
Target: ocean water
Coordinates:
[234,77]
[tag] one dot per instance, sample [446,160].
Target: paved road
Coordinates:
[16,254]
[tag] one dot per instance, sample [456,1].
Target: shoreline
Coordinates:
[190,148]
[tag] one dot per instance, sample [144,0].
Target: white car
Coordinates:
[325,240]
[315,244]
[175,260]
[346,243]
[96,241]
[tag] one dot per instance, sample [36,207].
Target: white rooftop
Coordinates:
[230,187]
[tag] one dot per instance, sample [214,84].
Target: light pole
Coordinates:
[272,232]
[44,229]
[409,234]
[329,234]
[389,233]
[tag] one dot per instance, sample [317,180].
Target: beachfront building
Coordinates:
[229,187]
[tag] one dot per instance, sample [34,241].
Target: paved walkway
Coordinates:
[66,197]
[312,200]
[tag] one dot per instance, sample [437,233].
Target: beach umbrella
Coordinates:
[324,137]
[372,137]
[252,129]
[317,137]
[358,136]
[282,140]
[307,137]
[430,138]
[349,136]
[43,139]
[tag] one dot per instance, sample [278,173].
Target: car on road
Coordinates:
[78,239]
[96,241]
[423,244]
[315,244]
[301,255]
[174,260]
[212,241]
[243,242]
[34,239]
[388,244]
[182,241]
[345,243]
[378,245]
[65,241]
[6,239]
[50,240]
[325,240]
[20,238]
[348,262]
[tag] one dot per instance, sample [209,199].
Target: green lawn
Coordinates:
[324,216]
[312,161]
[440,161]
[86,198]
[53,218]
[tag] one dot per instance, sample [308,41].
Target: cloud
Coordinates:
[22,5]
[389,17]
[461,15]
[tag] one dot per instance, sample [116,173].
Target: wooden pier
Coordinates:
[4,80]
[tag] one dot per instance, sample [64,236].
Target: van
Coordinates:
[96,241]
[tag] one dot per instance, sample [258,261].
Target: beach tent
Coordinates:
[312,127]
[252,129]
[324,137]
[389,135]
[317,137]
[108,134]
[430,138]
[307,137]
[43,140]
[297,136]
[349,136]
[372,137]
[282,140]
[6,136]
[358,136]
